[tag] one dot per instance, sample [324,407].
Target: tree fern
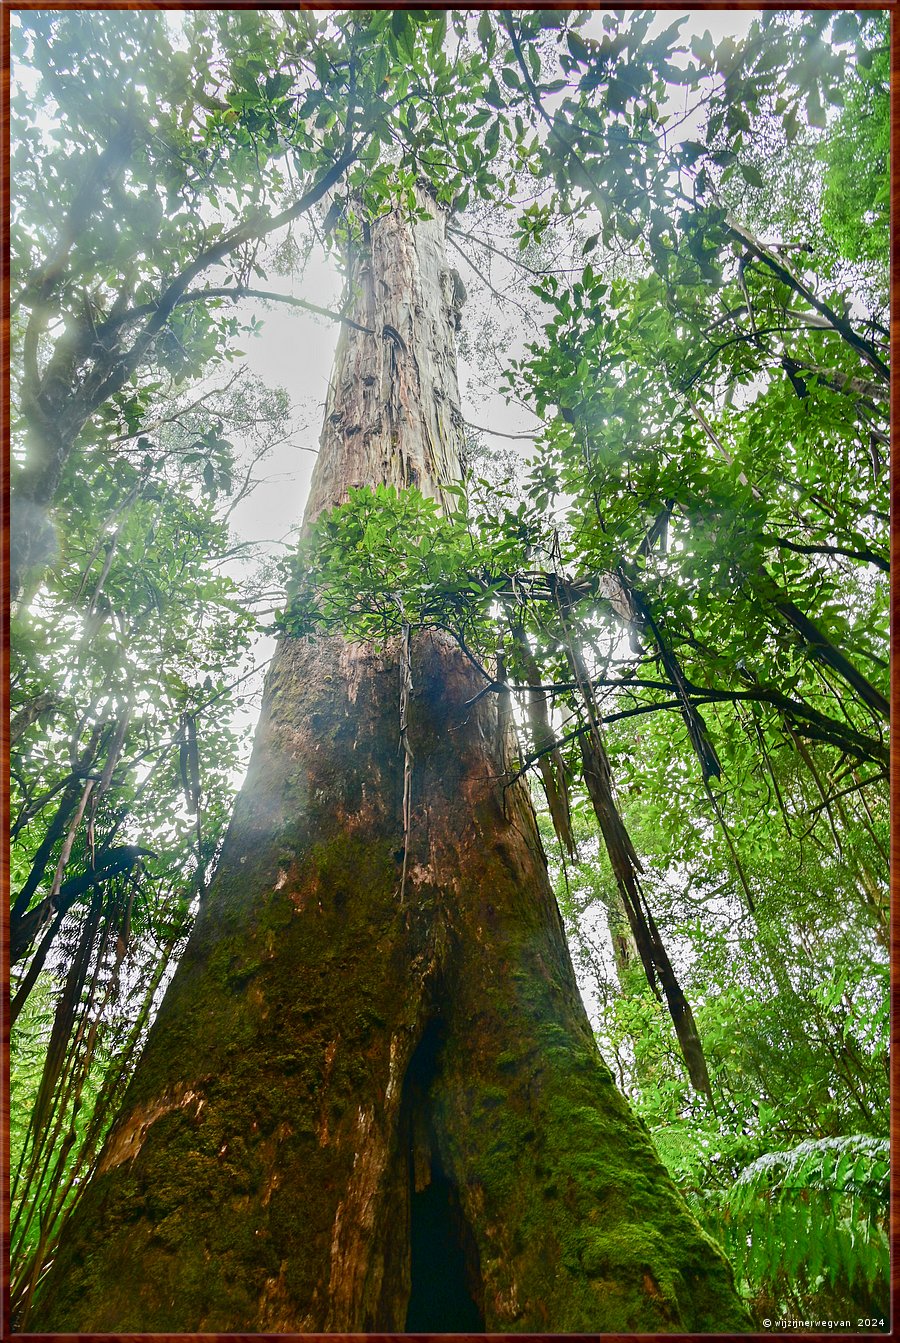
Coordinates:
[801,1224]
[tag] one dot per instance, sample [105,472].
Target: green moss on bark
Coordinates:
[270,1181]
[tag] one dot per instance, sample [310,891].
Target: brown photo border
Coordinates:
[9,7]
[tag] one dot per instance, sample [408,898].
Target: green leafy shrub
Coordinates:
[808,1226]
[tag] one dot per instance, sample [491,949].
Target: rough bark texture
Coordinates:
[392,413]
[361,1108]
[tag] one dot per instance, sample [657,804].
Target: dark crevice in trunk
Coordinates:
[446,1291]
[440,1298]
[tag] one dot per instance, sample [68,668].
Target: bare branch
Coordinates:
[235,293]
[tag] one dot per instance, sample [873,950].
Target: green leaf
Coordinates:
[845,27]
[493,95]
[485,27]
[578,47]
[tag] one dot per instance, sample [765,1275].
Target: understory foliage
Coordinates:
[810,1224]
[683,588]
[123,764]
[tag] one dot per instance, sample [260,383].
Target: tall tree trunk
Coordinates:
[371,1099]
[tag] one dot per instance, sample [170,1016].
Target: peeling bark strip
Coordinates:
[626,867]
[384,1086]
[130,1133]
[550,763]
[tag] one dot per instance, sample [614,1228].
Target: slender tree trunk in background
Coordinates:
[625,952]
[54,424]
[371,1103]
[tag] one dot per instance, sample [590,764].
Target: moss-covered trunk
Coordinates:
[369,1102]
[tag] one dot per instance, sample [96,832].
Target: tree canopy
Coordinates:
[681,587]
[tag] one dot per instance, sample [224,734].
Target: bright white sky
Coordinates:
[296,350]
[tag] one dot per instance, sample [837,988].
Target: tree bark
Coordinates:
[371,1100]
